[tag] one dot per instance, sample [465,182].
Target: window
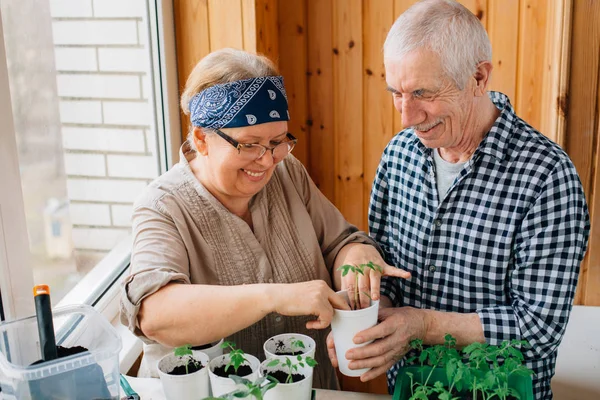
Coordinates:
[91,90]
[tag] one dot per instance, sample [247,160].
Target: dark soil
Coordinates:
[242,371]
[192,367]
[288,353]
[65,352]
[282,376]
[280,350]
[204,346]
[82,383]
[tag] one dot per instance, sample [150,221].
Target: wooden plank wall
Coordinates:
[344,152]
[583,131]
[329,52]
[202,26]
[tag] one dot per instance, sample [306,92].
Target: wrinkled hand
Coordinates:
[391,337]
[370,282]
[307,298]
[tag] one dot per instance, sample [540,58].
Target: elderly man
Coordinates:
[487,214]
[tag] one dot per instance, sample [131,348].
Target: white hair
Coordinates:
[448,29]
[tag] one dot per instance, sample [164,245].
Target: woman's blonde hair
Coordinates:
[223,66]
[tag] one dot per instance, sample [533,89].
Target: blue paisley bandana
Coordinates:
[241,103]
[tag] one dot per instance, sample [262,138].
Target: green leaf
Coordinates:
[311,362]
[273,362]
[184,350]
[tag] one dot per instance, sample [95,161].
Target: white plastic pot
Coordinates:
[221,385]
[289,391]
[345,325]
[283,343]
[181,387]
[214,350]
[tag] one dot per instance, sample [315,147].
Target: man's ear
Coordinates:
[482,77]
[200,140]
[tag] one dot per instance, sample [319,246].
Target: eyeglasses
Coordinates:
[253,151]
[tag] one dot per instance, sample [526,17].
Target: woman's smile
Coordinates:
[254,176]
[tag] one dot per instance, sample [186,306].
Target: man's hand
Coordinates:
[391,337]
[370,282]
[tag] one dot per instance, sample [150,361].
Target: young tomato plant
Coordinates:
[185,351]
[297,345]
[256,389]
[236,356]
[358,269]
[291,366]
[480,368]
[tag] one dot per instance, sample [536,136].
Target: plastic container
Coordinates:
[220,385]
[301,390]
[189,386]
[90,374]
[283,343]
[345,325]
[522,384]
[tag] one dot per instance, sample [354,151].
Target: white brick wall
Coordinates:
[75,59]
[70,8]
[104,88]
[132,166]
[103,139]
[123,60]
[126,113]
[95,32]
[90,214]
[99,86]
[80,112]
[98,239]
[142,33]
[121,215]
[85,164]
[119,8]
[104,190]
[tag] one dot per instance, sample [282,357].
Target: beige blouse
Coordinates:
[183,233]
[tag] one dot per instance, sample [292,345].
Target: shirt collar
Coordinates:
[496,140]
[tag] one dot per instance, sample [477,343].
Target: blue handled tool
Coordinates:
[129,392]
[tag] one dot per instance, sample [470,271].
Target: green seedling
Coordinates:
[358,270]
[236,356]
[256,389]
[185,351]
[291,366]
[480,368]
[297,345]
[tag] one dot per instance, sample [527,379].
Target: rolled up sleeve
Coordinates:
[158,257]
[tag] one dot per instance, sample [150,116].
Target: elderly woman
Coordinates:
[236,241]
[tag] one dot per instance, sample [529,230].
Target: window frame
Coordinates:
[100,288]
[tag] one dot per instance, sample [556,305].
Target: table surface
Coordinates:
[151,389]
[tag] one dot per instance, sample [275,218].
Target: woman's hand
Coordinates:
[370,282]
[307,298]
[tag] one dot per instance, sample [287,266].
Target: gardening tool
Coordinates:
[129,392]
[79,384]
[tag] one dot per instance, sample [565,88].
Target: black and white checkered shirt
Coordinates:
[505,242]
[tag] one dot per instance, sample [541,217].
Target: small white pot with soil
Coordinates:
[289,344]
[180,383]
[345,325]
[219,378]
[212,350]
[294,386]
